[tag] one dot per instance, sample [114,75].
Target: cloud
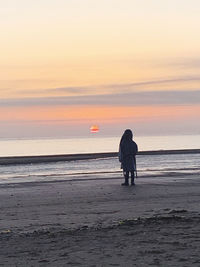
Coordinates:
[112,88]
[76,90]
[156,82]
[189,97]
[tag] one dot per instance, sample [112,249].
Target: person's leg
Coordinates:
[132,178]
[126,176]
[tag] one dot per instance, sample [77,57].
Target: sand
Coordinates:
[100,223]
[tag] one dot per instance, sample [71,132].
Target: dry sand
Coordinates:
[100,223]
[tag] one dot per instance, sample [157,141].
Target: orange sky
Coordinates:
[52,49]
[99,113]
[79,43]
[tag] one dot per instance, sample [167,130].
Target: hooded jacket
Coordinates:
[127,152]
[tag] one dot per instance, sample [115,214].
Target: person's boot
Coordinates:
[132,179]
[126,181]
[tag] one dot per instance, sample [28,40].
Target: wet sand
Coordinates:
[100,223]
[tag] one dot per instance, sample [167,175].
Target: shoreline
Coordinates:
[97,177]
[12,160]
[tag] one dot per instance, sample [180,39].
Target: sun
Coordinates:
[94,129]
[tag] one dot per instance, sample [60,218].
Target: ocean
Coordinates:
[147,165]
[92,144]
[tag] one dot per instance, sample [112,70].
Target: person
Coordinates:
[127,152]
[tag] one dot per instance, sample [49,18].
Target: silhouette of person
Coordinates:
[127,152]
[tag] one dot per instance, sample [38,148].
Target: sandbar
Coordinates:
[10,160]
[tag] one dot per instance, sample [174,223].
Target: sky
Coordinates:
[68,64]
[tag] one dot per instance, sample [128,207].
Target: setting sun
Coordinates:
[94,129]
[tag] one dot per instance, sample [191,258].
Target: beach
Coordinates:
[98,222]
[92,92]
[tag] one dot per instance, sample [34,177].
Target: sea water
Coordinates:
[92,144]
[147,165]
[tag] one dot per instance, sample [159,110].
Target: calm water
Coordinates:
[148,166]
[93,144]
